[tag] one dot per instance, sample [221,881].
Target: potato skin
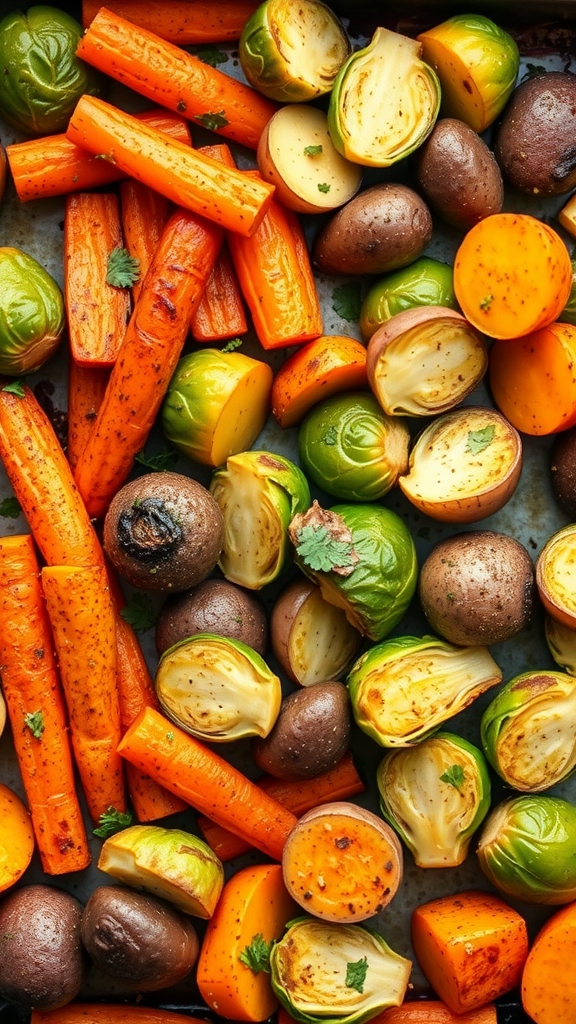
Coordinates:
[459,175]
[384,227]
[43,964]
[214,606]
[535,142]
[563,471]
[477,588]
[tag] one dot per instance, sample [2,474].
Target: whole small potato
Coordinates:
[382,228]
[311,734]
[214,606]
[459,175]
[477,588]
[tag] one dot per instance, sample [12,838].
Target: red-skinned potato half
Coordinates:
[424,361]
[555,576]
[317,370]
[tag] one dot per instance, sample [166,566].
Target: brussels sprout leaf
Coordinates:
[10,508]
[15,387]
[159,462]
[321,551]
[356,974]
[139,613]
[231,345]
[454,776]
[256,956]
[210,55]
[212,121]
[123,270]
[112,821]
[346,301]
[35,722]
[478,440]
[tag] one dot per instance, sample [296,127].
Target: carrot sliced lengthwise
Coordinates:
[54,166]
[190,179]
[37,711]
[220,313]
[144,215]
[206,781]
[97,312]
[82,619]
[182,22]
[109,1013]
[86,390]
[175,79]
[429,1011]
[150,351]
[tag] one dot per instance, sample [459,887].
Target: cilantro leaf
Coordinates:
[256,956]
[15,387]
[532,70]
[112,821]
[231,345]
[210,55]
[454,776]
[139,612]
[10,508]
[356,974]
[478,440]
[165,459]
[212,121]
[35,722]
[324,187]
[123,270]
[346,300]
[486,302]
[320,551]
[312,150]
[331,436]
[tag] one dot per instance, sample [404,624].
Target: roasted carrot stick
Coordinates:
[175,79]
[149,354]
[54,166]
[86,389]
[181,21]
[220,313]
[97,311]
[197,182]
[37,711]
[340,783]
[144,214]
[109,1013]
[43,483]
[432,1011]
[82,618]
[206,781]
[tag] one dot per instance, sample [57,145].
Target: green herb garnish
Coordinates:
[256,956]
[312,150]
[486,302]
[356,974]
[231,345]
[454,776]
[15,387]
[139,612]
[35,722]
[346,301]
[478,440]
[324,187]
[123,270]
[320,551]
[112,821]
[10,508]
[163,460]
[212,121]
[210,55]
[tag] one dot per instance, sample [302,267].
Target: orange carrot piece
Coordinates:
[16,838]
[324,367]
[82,618]
[43,483]
[188,178]
[340,783]
[207,782]
[97,312]
[150,351]
[512,275]
[220,313]
[109,1013]
[427,1011]
[37,711]
[181,21]
[548,979]
[86,390]
[254,902]
[144,216]
[471,947]
[175,79]
[54,166]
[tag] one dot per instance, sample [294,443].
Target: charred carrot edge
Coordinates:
[109,1013]
[97,312]
[207,782]
[223,195]
[149,354]
[54,166]
[220,313]
[144,214]
[86,389]
[340,783]
[37,711]
[82,619]
[43,483]
[179,21]
[175,79]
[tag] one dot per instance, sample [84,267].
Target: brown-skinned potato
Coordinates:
[214,606]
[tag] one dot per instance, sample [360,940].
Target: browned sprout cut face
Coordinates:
[561,642]
[556,576]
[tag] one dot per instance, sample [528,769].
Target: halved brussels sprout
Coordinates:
[351,449]
[42,78]
[259,493]
[293,52]
[529,730]
[32,318]
[562,644]
[218,689]
[527,849]
[364,560]
[435,795]
[167,862]
[385,101]
[403,689]
[340,973]
[426,282]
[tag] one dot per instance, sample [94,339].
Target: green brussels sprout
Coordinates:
[336,973]
[167,862]
[218,689]
[351,449]
[435,794]
[403,689]
[42,78]
[364,560]
[527,849]
[32,318]
[375,83]
[293,52]
[258,493]
[426,282]
[477,63]
[528,730]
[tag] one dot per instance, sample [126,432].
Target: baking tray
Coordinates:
[546,30]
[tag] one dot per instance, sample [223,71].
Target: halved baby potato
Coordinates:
[298,156]
[556,576]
